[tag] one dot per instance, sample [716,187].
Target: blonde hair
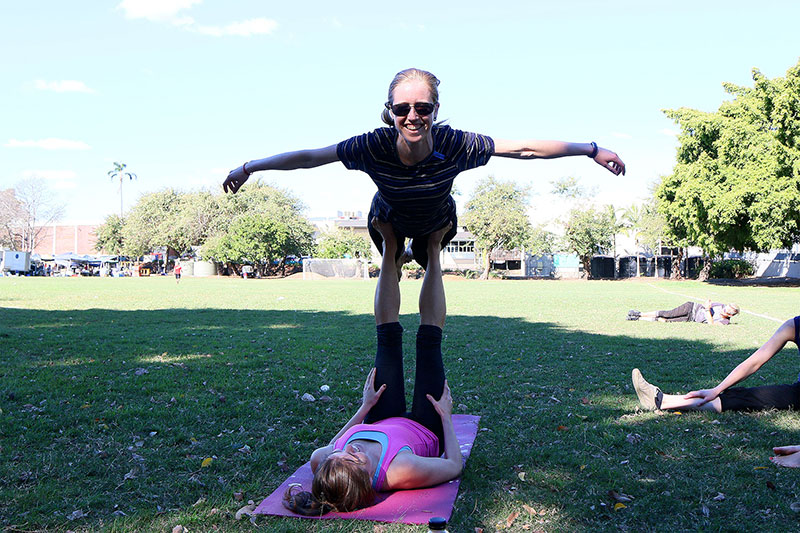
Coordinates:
[407,75]
[734,309]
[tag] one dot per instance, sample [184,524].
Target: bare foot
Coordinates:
[788,456]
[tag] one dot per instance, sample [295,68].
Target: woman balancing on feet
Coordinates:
[383,447]
[725,397]
[413,162]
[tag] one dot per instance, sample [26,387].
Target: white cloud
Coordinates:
[61,179]
[62,86]
[156,10]
[257,26]
[49,144]
[670,132]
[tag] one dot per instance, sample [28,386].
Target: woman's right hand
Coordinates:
[370,396]
[235,180]
[444,406]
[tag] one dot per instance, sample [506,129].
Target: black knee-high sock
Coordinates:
[389,371]
[429,379]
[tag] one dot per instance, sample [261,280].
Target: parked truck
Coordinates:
[16,262]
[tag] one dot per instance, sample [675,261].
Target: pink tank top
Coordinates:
[394,435]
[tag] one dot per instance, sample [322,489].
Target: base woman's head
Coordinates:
[340,484]
[413,101]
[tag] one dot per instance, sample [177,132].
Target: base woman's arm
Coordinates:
[533,149]
[409,471]
[749,366]
[286,161]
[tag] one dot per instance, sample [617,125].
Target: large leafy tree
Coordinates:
[736,184]
[109,235]
[587,231]
[497,216]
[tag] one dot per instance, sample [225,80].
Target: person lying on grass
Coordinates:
[725,397]
[711,313]
[383,447]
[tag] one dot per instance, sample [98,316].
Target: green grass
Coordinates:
[113,392]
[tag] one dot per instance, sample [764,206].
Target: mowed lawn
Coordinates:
[142,404]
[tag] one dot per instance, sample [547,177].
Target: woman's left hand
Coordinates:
[444,406]
[370,396]
[610,160]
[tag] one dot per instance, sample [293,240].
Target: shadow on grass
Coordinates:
[110,416]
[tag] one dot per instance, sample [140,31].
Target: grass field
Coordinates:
[115,392]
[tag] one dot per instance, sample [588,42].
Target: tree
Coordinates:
[496,215]
[343,243]
[586,232]
[119,172]
[25,211]
[153,222]
[736,183]
[632,218]
[109,236]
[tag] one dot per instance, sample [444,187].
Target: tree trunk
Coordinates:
[485,273]
[676,265]
[587,267]
[706,270]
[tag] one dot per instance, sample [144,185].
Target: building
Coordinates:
[67,238]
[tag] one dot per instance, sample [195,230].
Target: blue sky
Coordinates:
[184,90]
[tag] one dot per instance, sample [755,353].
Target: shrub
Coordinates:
[731,268]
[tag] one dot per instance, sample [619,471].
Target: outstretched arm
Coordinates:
[369,398]
[750,365]
[409,471]
[533,149]
[286,161]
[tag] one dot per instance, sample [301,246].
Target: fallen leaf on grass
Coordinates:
[379,528]
[200,501]
[247,510]
[521,476]
[760,468]
[618,506]
[510,520]
[478,530]
[74,515]
[719,497]
[770,485]
[620,497]
[179,529]
[206,462]
[531,511]
[705,510]
[795,507]
[562,428]
[238,496]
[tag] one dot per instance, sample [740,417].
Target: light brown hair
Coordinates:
[407,75]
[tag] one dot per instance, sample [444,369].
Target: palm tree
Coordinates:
[119,172]
[632,216]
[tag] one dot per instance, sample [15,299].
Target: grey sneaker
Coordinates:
[649,395]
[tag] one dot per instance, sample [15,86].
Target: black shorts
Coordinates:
[761,398]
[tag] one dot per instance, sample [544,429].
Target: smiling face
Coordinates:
[414,129]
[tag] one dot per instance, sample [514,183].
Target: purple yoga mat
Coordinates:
[403,506]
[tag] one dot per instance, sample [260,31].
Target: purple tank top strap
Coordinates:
[797,332]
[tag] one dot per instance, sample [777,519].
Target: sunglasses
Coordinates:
[423,109]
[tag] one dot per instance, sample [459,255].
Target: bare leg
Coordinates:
[786,456]
[432,304]
[651,397]
[676,401]
[387,293]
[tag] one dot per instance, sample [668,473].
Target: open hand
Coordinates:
[444,406]
[370,396]
[707,395]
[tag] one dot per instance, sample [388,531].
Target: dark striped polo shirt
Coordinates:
[415,199]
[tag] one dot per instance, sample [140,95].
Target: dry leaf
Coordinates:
[705,510]
[179,529]
[620,497]
[478,530]
[618,506]
[247,510]
[795,507]
[379,528]
[719,497]
[238,496]
[529,509]
[760,468]
[521,476]
[510,520]
[561,428]
[74,515]
[206,462]
[770,485]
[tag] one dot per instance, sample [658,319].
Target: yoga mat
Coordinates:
[403,506]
